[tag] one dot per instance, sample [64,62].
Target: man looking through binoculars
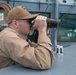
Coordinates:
[14,47]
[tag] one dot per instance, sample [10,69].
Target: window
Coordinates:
[67,28]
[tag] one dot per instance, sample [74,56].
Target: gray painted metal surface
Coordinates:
[52,7]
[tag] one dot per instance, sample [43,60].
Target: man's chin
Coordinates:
[31,32]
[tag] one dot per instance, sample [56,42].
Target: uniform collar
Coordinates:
[10,29]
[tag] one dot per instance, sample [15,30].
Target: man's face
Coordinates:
[23,27]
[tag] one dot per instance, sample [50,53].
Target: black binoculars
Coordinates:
[51,23]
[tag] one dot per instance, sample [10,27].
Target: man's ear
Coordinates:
[15,23]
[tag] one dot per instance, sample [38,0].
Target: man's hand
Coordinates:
[40,24]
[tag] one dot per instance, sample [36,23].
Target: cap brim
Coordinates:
[30,16]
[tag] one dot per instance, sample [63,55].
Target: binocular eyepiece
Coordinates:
[51,23]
